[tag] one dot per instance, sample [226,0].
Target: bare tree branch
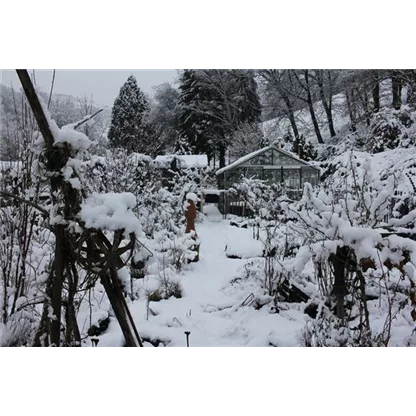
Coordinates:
[50,94]
[25,201]
[87,119]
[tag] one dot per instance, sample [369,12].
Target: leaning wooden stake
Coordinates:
[54,158]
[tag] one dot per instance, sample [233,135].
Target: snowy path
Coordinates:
[210,306]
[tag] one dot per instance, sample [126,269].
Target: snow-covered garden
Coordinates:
[103,245]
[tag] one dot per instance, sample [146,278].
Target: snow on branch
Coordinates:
[110,211]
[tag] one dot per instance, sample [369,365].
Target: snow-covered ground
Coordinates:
[211,308]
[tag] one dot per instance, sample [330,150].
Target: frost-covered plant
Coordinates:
[326,331]
[261,199]
[267,217]
[176,250]
[121,171]
[353,226]
[390,129]
[25,240]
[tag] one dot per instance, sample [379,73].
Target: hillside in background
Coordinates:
[65,109]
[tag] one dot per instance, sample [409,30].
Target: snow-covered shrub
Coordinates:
[120,171]
[304,148]
[356,222]
[349,142]
[176,250]
[18,329]
[261,199]
[390,129]
[169,287]
[267,217]
[326,331]
[25,241]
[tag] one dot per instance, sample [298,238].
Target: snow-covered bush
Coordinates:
[120,171]
[176,250]
[326,331]
[25,241]
[355,225]
[268,221]
[390,129]
[261,199]
[304,148]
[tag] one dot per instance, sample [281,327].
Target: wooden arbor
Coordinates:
[90,249]
[99,257]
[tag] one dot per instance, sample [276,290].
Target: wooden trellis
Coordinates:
[91,250]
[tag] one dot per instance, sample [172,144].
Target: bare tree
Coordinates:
[376,91]
[305,81]
[326,80]
[277,96]
[396,88]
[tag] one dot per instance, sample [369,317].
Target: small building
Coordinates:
[271,164]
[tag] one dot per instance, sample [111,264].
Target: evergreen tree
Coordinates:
[213,105]
[192,122]
[129,128]
[164,117]
[250,100]
[304,149]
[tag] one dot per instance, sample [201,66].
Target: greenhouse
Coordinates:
[271,164]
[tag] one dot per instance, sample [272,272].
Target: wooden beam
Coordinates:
[61,254]
[36,107]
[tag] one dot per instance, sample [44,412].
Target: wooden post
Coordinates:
[300,178]
[339,261]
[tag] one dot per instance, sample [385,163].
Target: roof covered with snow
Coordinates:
[186,161]
[251,155]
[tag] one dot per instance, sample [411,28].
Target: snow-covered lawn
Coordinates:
[210,308]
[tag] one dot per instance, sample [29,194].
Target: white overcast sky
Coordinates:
[103,85]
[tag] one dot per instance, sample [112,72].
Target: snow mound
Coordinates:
[244,249]
[111,212]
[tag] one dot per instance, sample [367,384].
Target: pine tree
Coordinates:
[129,128]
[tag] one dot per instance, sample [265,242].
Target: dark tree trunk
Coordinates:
[42,336]
[291,116]
[366,109]
[396,88]
[339,262]
[72,335]
[349,97]
[327,105]
[311,109]
[58,277]
[222,155]
[376,93]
